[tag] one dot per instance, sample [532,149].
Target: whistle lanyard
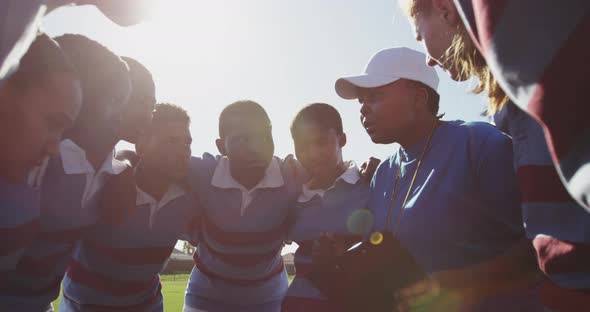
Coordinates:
[395,186]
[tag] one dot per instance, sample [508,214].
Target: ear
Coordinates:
[342,140]
[422,98]
[221,146]
[447,10]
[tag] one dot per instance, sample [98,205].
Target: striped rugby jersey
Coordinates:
[19,223]
[116,266]
[557,225]
[64,219]
[538,50]
[341,210]
[238,260]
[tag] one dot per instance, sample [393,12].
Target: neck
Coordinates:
[96,149]
[150,182]
[420,131]
[327,181]
[246,180]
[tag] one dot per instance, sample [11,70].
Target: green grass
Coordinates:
[173,287]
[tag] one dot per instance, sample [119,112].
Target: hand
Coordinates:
[417,297]
[327,247]
[368,169]
[429,296]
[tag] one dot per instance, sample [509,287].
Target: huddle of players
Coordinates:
[76,215]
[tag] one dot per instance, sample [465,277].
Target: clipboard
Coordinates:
[367,275]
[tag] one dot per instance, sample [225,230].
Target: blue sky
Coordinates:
[282,53]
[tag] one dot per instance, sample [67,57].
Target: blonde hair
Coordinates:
[467,60]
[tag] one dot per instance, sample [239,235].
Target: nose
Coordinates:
[364,109]
[430,61]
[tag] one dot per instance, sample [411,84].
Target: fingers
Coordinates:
[418,289]
[326,247]
[364,166]
[420,294]
[374,162]
[368,168]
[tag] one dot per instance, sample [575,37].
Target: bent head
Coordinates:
[106,88]
[396,90]
[245,137]
[390,113]
[38,104]
[438,26]
[318,138]
[165,147]
[137,114]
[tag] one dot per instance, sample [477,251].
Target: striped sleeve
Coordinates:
[19,222]
[537,50]
[556,225]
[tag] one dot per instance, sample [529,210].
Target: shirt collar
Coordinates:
[351,176]
[412,152]
[222,177]
[143,198]
[75,162]
[173,192]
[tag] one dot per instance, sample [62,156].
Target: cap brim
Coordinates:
[347,87]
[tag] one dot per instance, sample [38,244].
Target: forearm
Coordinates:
[515,267]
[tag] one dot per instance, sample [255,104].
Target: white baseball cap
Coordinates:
[388,66]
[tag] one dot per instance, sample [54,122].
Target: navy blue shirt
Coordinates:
[464,205]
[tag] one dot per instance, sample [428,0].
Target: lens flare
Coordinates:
[360,222]
[376,238]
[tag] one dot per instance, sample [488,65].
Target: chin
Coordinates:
[455,76]
[179,173]
[378,140]
[317,175]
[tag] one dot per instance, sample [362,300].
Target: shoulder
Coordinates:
[385,170]
[487,144]
[291,169]
[483,132]
[205,161]
[201,169]
[388,164]
[479,132]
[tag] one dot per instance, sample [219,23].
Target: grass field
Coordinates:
[173,287]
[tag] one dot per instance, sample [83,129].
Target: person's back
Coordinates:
[245,195]
[545,75]
[557,225]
